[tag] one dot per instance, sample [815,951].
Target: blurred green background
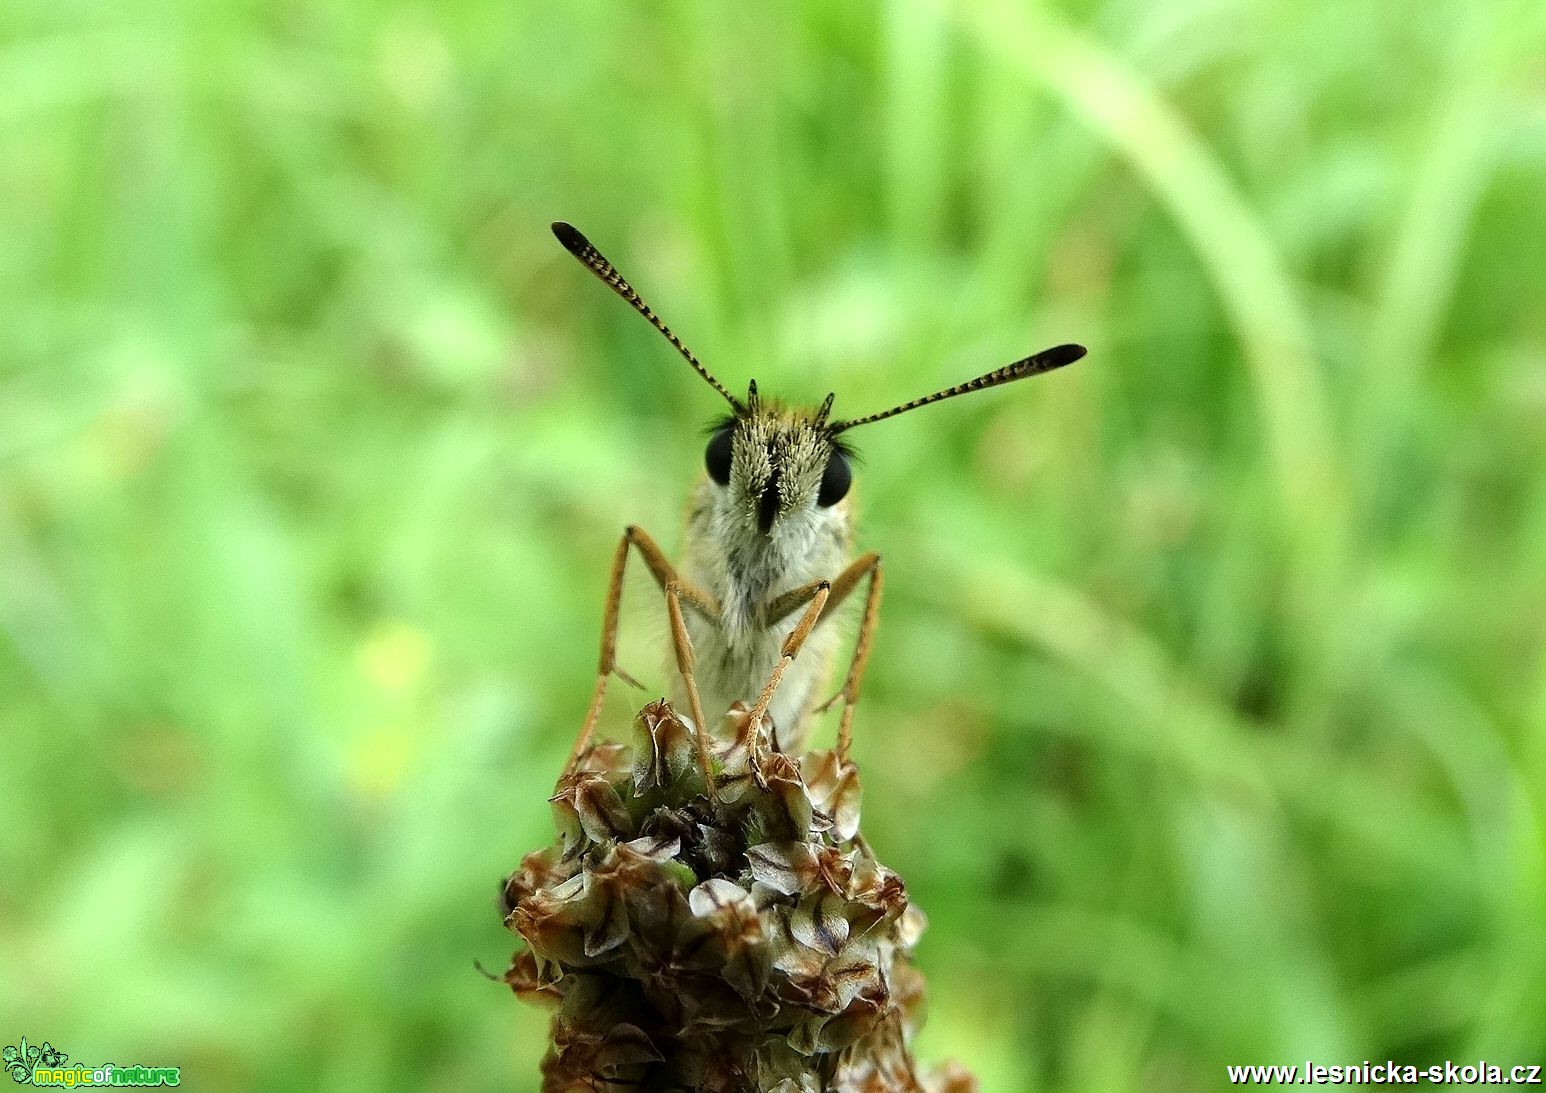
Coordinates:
[1205,718]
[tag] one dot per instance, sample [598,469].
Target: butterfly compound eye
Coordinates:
[835,480]
[716,457]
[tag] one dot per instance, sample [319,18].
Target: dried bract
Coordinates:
[745,940]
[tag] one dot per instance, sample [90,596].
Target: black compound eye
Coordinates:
[835,480]
[717,456]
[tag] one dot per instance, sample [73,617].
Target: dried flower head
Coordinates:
[742,940]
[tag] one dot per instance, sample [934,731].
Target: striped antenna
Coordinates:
[1034,365]
[579,246]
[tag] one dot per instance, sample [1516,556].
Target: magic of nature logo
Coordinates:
[29,1064]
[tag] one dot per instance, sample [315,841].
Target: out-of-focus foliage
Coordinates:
[1206,714]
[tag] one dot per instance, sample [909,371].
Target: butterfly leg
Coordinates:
[847,581]
[818,594]
[677,592]
[682,644]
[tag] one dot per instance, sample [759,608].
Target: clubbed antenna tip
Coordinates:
[1056,357]
[574,242]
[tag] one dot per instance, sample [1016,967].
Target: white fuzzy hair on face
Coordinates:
[731,557]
